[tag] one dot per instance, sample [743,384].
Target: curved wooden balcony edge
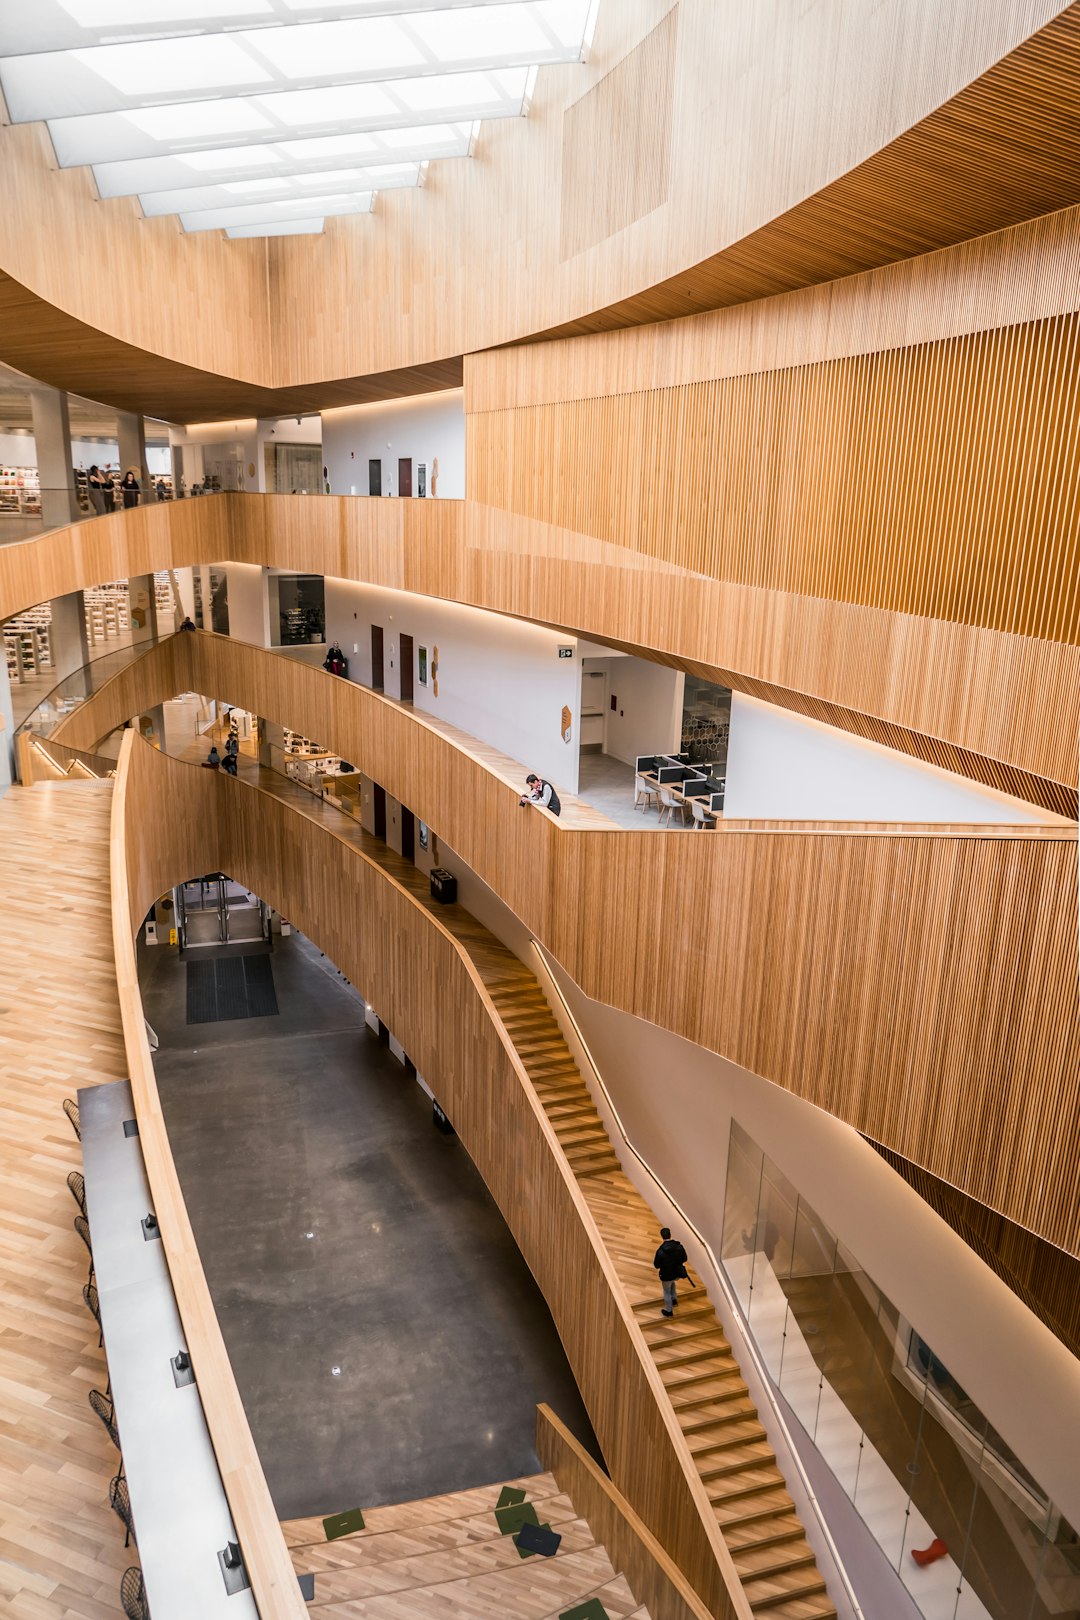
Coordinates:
[190,821]
[800,930]
[463,551]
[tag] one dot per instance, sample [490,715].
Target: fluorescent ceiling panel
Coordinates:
[122,77]
[66,25]
[272,213]
[348,109]
[221,164]
[287,188]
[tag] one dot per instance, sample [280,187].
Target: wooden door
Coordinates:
[377,657]
[378,810]
[374,477]
[406,651]
[408,835]
[404,475]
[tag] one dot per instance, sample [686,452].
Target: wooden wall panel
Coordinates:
[178,819]
[920,984]
[941,481]
[808,142]
[616,144]
[1003,709]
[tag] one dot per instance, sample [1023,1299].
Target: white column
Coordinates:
[67,635]
[131,439]
[52,438]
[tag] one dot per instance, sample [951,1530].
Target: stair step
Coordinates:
[715,1444]
[695,1293]
[758,1454]
[768,1599]
[753,1505]
[597,1170]
[762,1532]
[577,1134]
[693,1356]
[778,1559]
[676,1336]
[719,1420]
[717,1375]
[770,1479]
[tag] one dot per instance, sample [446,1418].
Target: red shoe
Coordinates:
[930,1555]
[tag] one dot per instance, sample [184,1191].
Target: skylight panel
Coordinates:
[285,227]
[282,188]
[269,213]
[112,78]
[319,155]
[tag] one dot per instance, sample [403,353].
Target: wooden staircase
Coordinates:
[446,1558]
[734,1459]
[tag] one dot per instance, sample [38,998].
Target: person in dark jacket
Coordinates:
[130,488]
[187,624]
[541,792]
[670,1262]
[335,661]
[213,758]
[228,764]
[95,486]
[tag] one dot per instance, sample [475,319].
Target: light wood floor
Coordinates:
[61,1546]
[445,1558]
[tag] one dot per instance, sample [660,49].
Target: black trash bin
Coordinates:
[443,886]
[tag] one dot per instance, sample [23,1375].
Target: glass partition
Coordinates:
[961,1520]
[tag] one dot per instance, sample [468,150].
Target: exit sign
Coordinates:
[566,652]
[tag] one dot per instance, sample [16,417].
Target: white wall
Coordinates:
[648,714]
[249,608]
[782,766]
[424,427]
[499,679]
[20,450]
[676,1102]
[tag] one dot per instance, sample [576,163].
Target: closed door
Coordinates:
[406,650]
[374,477]
[404,475]
[378,809]
[377,657]
[408,834]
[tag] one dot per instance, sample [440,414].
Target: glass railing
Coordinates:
[963,1523]
[75,688]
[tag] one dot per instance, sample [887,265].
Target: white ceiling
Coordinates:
[236,114]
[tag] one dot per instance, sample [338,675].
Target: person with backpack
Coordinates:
[670,1262]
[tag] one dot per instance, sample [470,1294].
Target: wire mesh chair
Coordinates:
[120,1502]
[71,1109]
[93,1305]
[77,1189]
[82,1226]
[102,1407]
[133,1595]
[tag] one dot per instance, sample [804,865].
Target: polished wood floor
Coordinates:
[445,1558]
[61,1547]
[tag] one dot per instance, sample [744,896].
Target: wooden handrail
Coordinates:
[906,980]
[656,1581]
[266,1556]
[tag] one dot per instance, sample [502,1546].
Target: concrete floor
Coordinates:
[608,785]
[338,1228]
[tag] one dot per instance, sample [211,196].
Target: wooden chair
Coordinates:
[133,1595]
[77,1189]
[103,1408]
[120,1502]
[71,1109]
[82,1226]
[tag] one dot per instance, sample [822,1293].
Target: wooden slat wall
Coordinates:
[616,144]
[1004,709]
[176,820]
[920,985]
[807,143]
[145,832]
[941,481]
